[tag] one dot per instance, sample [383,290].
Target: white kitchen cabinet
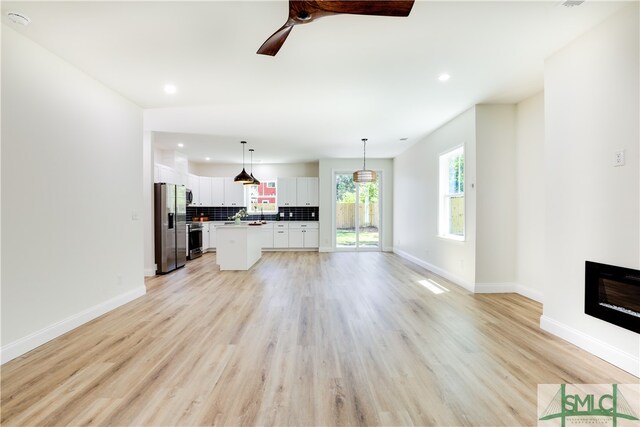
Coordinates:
[212,236]
[296,238]
[267,236]
[311,239]
[181,178]
[233,193]
[303,235]
[205,191]
[217,191]
[193,182]
[286,191]
[205,237]
[166,174]
[280,238]
[307,191]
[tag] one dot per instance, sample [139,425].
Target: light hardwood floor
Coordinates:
[301,339]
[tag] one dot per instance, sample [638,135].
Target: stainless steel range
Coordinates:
[195,240]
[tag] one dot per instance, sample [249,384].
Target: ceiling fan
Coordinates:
[305,11]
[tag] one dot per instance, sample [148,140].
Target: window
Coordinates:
[262,199]
[451,217]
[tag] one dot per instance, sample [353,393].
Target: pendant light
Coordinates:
[255,182]
[243,176]
[364,175]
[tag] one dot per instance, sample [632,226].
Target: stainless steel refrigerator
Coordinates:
[170,226]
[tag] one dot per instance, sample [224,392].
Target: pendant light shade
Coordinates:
[254,182]
[364,175]
[243,177]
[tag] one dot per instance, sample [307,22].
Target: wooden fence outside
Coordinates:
[346,215]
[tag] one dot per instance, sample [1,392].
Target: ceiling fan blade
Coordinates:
[376,7]
[273,44]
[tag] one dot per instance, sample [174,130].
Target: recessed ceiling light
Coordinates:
[404,139]
[19,18]
[170,89]
[180,144]
[444,77]
[207,158]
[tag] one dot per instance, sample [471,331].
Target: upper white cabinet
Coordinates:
[233,193]
[166,174]
[205,191]
[217,191]
[307,191]
[286,192]
[214,191]
[193,184]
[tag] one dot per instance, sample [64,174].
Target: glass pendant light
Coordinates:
[243,177]
[364,175]
[255,182]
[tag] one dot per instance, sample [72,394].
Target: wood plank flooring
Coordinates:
[301,339]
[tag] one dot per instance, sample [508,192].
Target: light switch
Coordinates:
[134,215]
[618,158]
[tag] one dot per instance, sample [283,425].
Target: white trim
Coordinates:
[528,292]
[36,339]
[495,288]
[387,249]
[478,288]
[149,272]
[437,270]
[325,249]
[290,249]
[607,352]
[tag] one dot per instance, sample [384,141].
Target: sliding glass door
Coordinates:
[357,213]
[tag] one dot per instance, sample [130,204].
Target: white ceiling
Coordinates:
[334,81]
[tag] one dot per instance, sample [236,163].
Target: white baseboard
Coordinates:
[437,270]
[149,272]
[325,249]
[615,356]
[387,249]
[36,339]
[495,288]
[528,292]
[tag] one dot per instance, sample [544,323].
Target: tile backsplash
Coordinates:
[223,213]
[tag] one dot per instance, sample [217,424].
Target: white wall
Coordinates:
[149,155]
[592,208]
[71,179]
[416,202]
[327,184]
[260,171]
[530,196]
[495,195]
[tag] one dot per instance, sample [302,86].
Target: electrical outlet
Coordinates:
[313,214]
[618,158]
[134,215]
[281,214]
[290,214]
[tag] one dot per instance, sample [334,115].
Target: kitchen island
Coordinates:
[238,246]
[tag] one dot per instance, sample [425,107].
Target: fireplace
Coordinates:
[612,294]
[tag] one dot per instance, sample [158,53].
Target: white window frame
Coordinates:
[248,199]
[444,197]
